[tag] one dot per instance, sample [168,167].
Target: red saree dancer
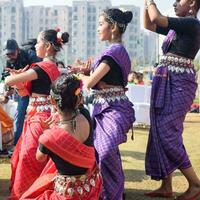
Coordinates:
[50,185]
[25,168]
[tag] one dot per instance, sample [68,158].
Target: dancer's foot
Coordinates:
[160,193]
[192,193]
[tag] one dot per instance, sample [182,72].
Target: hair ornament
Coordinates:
[57,97]
[77,91]
[59,37]
[79,79]
[112,21]
[123,9]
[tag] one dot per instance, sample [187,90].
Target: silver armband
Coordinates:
[150,2]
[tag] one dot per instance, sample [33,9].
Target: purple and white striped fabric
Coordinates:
[112,123]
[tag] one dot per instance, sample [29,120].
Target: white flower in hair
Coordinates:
[59,37]
[122,9]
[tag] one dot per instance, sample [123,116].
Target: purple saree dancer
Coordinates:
[173,91]
[114,116]
[113,113]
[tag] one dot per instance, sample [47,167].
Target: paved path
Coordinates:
[133,153]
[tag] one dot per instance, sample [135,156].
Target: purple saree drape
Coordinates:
[112,122]
[171,98]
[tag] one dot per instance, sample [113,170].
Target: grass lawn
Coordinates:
[133,154]
[4,178]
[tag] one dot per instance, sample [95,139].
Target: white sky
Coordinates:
[162,4]
[165,6]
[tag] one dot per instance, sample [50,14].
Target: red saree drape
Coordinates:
[68,148]
[25,168]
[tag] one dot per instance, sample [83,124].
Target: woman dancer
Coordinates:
[70,146]
[113,113]
[173,91]
[38,78]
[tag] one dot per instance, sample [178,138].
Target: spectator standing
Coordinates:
[18,58]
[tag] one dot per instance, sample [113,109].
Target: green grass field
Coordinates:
[133,154]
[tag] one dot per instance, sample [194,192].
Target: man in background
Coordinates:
[18,58]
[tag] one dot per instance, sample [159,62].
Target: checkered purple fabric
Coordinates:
[120,56]
[167,41]
[112,123]
[171,98]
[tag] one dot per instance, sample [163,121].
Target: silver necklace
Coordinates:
[71,122]
[51,58]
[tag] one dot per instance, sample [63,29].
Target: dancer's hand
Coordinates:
[45,124]
[4,99]
[81,67]
[17,71]
[9,92]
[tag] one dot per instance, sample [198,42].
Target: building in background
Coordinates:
[85,16]
[151,50]
[133,37]
[39,18]
[85,41]
[11,20]
[81,22]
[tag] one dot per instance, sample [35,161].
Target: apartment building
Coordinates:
[85,16]
[11,20]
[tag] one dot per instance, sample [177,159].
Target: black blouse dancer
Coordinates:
[173,91]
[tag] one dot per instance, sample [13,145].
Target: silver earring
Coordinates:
[191,12]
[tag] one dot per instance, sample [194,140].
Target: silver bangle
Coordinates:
[150,2]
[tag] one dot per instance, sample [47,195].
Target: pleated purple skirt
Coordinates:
[112,123]
[171,99]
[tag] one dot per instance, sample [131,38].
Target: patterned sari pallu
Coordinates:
[51,185]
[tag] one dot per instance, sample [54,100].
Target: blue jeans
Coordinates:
[20,116]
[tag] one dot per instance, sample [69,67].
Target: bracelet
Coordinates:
[150,2]
[19,88]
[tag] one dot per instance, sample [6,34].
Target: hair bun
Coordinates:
[65,37]
[128,16]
